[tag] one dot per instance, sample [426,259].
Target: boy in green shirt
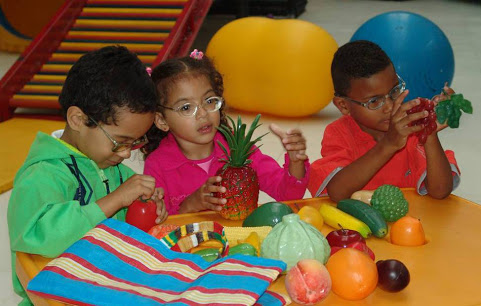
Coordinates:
[69,184]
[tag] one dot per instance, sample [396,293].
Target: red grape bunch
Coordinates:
[429,122]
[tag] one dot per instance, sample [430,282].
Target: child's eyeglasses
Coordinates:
[377,102]
[210,105]
[120,146]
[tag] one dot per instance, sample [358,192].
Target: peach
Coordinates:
[308,282]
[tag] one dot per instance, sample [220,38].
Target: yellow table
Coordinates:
[445,271]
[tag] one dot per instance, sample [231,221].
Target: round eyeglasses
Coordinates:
[120,146]
[210,105]
[377,102]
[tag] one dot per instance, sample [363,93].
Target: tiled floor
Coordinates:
[460,21]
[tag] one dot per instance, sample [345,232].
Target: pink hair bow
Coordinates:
[198,55]
[149,70]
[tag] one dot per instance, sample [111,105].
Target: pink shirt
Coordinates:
[345,142]
[180,177]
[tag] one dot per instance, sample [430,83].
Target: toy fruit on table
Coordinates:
[338,219]
[353,273]
[142,214]
[160,230]
[393,275]
[312,216]
[238,177]
[293,240]
[390,202]
[366,214]
[344,238]
[407,231]
[268,214]
[308,282]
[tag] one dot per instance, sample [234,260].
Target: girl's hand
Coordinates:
[293,141]
[204,196]
[158,198]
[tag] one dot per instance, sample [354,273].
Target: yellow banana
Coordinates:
[338,219]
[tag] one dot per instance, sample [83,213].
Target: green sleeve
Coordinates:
[40,218]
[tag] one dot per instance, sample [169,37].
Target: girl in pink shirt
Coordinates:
[183,154]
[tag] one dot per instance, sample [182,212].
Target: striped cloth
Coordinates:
[118,264]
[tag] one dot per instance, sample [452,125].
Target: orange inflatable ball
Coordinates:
[353,274]
[280,67]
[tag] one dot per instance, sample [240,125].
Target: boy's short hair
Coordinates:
[104,80]
[356,59]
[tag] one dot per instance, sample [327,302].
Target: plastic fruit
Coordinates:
[343,237]
[393,275]
[308,282]
[312,216]
[238,177]
[268,214]
[160,230]
[293,240]
[429,122]
[142,214]
[407,231]
[353,274]
[390,202]
[361,246]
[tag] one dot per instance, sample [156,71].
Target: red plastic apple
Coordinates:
[343,237]
[142,214]
[361,246]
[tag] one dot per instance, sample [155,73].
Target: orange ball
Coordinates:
[353,273]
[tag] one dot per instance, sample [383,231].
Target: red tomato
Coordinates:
[142,214]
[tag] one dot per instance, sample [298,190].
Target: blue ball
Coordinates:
[418,48]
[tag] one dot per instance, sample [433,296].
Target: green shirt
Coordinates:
[53,200]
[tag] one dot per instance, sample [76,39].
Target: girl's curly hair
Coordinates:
[171,70]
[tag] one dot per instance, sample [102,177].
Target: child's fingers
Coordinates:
[277,130]
[398,102]
[296,146]
[412,117]
[301,155]
[401,112]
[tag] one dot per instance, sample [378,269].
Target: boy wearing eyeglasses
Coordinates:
[69,184]
[183,153]
[373,143]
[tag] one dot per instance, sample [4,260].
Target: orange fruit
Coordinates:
[407,231]
[353,274]
[312,216]
[160,230]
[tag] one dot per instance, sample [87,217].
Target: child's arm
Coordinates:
[439,177]
[295,145]
[203,198]
[357,174]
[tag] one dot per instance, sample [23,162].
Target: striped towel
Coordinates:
[117,264]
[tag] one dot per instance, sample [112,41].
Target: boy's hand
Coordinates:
[293,141]
[138,185]
[203,198]
[158,198]
[399,128]
[444,95]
